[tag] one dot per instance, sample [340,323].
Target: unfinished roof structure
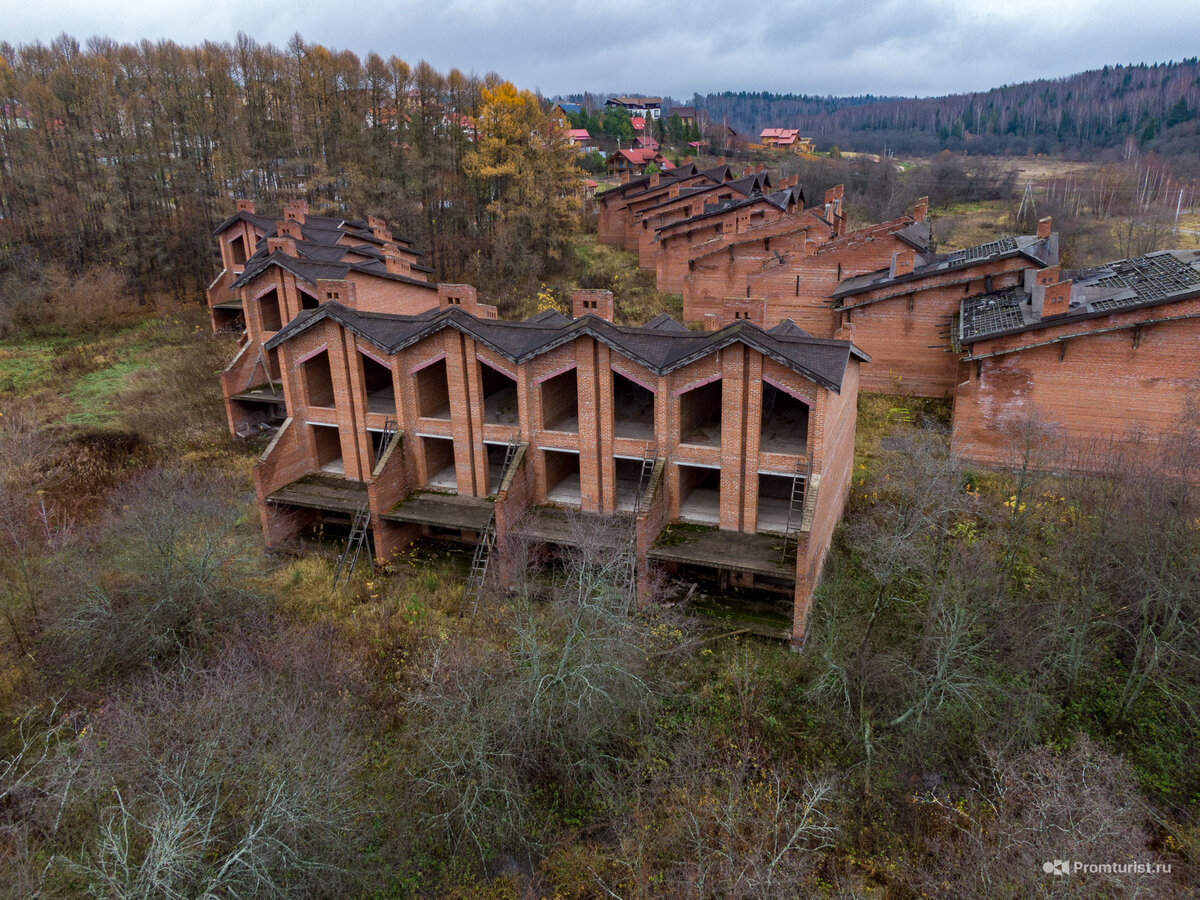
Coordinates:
[1100,361]
[1120,286]
[865,288]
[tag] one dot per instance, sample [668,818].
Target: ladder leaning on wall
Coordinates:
[473,589]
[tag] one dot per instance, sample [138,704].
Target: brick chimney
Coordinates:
[374,222]
[845,332]
[744,309]
[245,206]
[284,245]
[296,210]
[596,303]
[625,177]
[654,179]
[1044,228]
[1057,299]
[337,290]
[395,263]
[1050,295]
[285,228]
[463,296]
[903,263]
[921,210]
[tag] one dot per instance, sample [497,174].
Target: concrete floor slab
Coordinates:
[442,510]
[758,554]
[701,507]
[322,491]
[566,492]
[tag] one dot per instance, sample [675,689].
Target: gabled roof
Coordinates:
[677,173]
[316,265]
[1115,287]
[637,156]
[746,185]
[640,102]
[779,199]
[1042,251]
[659,348]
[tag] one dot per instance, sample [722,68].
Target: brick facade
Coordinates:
[275,269]
[1126,379]
[566,423]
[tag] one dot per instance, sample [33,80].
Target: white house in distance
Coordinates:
[646,107]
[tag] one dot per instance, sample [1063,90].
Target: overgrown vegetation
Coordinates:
[1002,669]
[120,159]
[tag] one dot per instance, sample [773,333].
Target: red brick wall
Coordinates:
[835,462]
[288,457]
[740,372]
[1104,388]
[800,288]
[386,296]
[907,333]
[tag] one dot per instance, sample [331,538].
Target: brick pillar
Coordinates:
[604,428]
[460,419]
[803,597]
[358,394]
[590,487]
[753,433]
[733,419]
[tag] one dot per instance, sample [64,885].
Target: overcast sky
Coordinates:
[895,47]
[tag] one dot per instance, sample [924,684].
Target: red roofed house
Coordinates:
[635,161]
[788,138]
[579,137]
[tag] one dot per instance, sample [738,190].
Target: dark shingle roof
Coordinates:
[1118,286]
[312,268]
[1039,250]
[659,348]
[778,199]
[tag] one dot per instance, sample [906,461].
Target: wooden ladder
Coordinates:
[354,544]
[795,505]
[473,589]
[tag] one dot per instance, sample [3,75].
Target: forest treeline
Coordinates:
[1156,106]
[127,156]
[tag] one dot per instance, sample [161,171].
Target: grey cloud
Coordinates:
[899,47]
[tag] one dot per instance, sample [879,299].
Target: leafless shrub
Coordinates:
[720,821]
[549,704]
[1038,806]
[239,778]
[169,566]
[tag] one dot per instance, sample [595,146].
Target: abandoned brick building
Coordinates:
[449,424]
[882,284]
[274,268]
[902,314]
[616,215]
[1088,357]
[790,267]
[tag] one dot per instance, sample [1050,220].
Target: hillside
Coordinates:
[1157,105]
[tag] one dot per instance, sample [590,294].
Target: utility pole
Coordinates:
[1027,199]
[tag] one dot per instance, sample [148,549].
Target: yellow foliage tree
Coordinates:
[525,170]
